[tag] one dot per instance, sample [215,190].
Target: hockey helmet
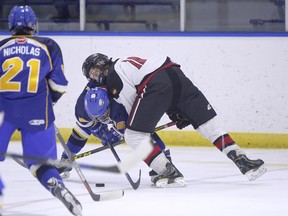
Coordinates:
[22,18]
[96,103]
[95,67]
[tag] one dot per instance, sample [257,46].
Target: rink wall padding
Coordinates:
[193,138]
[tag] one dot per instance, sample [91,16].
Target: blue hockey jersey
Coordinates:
[31,80]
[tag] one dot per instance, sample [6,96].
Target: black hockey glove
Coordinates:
[181,121]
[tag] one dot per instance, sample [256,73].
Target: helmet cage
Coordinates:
[95,67]
[105,118]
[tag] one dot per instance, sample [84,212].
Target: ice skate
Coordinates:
[253,169]
[64,171]
[152,173]
[66,197]
[171,177]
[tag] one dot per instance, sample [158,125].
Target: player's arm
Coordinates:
[116,131]
[56,79]
[82,129]
[119,116]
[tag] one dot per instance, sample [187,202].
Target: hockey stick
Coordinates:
[57,163]
[19,161]
[84,154]
[96,197]
[123,166]
[93,151]
[102,148]
[47,161]
[136,184]
[18,158]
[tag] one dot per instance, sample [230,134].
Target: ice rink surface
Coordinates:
[215,187]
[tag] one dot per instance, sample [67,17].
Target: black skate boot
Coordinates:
[64,171]
[65,196]
[253,169]
[171,177]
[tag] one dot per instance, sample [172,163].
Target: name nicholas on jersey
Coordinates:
[24,50]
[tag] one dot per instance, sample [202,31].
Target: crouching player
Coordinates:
[94,112]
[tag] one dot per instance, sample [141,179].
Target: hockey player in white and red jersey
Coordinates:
[94,111]
[149,88]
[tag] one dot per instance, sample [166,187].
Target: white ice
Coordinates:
[215,187]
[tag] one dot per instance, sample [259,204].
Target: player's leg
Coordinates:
[253,169]
[146,112]
[194,106]
[75,143]
[6,131]
[43,144]
[1,195]
[158,141]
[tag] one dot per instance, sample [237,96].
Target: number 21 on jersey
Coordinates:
[13,67]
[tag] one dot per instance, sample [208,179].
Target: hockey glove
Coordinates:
[111,137]
[181,121]
[99,130]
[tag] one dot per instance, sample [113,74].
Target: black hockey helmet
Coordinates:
[96,66]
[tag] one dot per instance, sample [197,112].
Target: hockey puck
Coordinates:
[100,185]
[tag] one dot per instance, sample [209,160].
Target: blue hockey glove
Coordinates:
[99,130]
[110,136]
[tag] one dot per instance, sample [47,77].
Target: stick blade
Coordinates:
[108,195]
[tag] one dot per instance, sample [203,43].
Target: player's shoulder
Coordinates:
[49,42]
[43,39]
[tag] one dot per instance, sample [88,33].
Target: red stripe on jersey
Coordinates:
[134,109]
[145,81]
[156,151]
[223,141]
[136,61]
[141,90]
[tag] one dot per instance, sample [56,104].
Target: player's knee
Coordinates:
[133,137]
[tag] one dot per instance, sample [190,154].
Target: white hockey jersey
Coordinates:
[131,71]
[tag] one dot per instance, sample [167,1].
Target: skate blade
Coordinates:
[178,182]
[252,175]
[76,207]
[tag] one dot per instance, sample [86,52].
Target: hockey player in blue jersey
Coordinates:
[1,182]
[1,195]
[31,81]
